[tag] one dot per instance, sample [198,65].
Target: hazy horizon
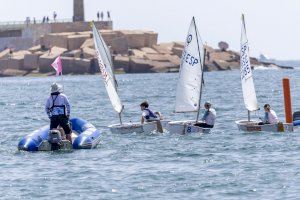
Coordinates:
[271,25]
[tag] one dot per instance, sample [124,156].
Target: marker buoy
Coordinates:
[287,100]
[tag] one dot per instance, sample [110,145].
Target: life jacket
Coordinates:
[56,110]
[151,115]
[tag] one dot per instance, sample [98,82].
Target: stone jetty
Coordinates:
[133,51]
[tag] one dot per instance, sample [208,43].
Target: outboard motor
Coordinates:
[55,139]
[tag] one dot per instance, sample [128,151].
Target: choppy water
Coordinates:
[226,164]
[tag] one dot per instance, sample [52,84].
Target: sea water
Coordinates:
[226,164]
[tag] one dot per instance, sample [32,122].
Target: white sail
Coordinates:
[190,74]
[246,73]
[106,70]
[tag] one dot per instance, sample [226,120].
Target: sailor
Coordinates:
[270,115]
[209,117]
[58,110]
[147,114]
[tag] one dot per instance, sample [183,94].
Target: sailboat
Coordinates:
[190,82]
[107,72]
[249,93]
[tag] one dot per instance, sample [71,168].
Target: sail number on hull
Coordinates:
[245,63]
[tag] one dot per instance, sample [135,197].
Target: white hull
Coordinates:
[253,126]
[135,127]
[185,127]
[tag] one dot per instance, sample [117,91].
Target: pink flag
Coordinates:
[57,65]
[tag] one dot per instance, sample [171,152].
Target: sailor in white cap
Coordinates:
[58,110]
[209,117]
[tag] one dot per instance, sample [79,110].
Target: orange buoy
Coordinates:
[287,100]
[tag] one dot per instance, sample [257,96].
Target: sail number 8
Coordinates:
[245,63]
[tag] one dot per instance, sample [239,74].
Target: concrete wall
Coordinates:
[32,33]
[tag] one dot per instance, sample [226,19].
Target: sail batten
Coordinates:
[190,73]
[248,88]
[106,69]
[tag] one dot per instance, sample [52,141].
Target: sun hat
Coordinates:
[56,88]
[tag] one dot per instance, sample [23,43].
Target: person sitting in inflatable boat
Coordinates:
[147,114]
[209,117]
[58,110]
[270,116]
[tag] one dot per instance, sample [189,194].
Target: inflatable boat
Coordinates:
[84,136]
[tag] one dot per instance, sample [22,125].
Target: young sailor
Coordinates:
[270,115]
[58,110]
[209,117]
[147,114]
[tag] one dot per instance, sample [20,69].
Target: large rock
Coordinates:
[108,36]
[150,38]
[164,48]
[75,65]
[156,57]
[121,62]
[179,45]
[75,41]
[173,59]
[163,67]
[13,63]
[35,49]
[222,64]
[177,51]
[88,43]
[88,52]
[120,45]
[148,50]
[57,39]
[12,72]
[74,53]
[81,66]
[135,39]
[136,53]
[4,53]
[31,61]
[47,59]
[138,65]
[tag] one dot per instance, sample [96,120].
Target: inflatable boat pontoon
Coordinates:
[84,136]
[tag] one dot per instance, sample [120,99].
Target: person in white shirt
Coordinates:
[58,110]
[209,117]
[270,115]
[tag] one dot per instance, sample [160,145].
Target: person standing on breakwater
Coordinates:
[209,117]
[98,15]
[58,110]
[54,16]
[108,16]
[270,116]
[102,15]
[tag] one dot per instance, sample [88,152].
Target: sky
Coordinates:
[272,25]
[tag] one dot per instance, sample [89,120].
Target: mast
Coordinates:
[202,66]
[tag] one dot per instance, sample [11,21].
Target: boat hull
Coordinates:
[252,126]
[86,137]
[126,128]
[185,127]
